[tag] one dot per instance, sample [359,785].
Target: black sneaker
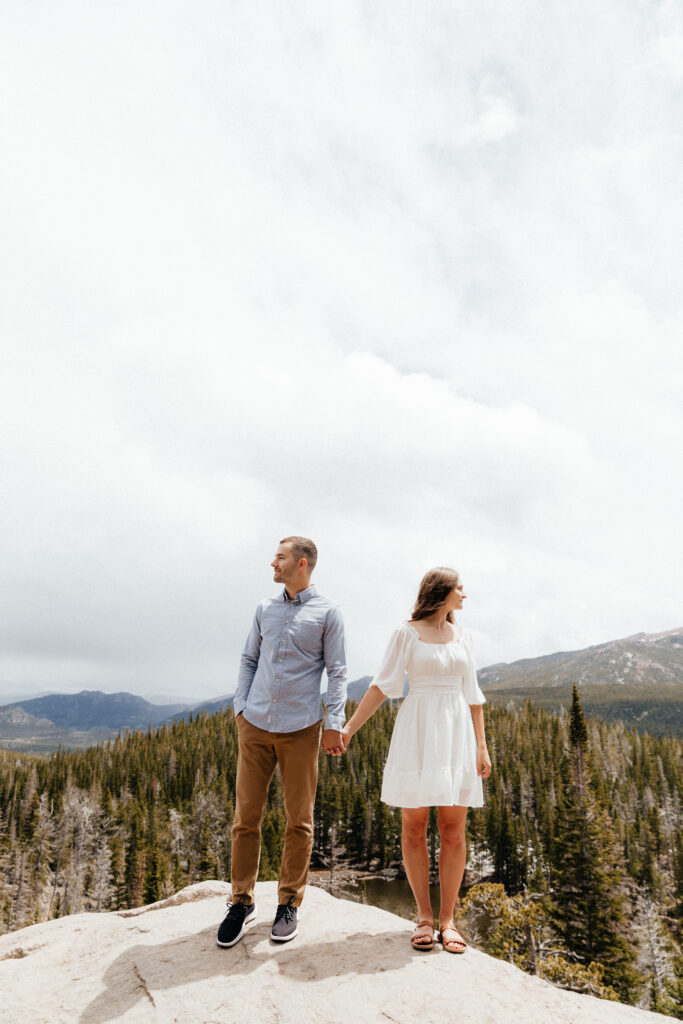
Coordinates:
[284,925]
[233,926]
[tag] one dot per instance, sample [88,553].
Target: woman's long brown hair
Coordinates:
[435,587]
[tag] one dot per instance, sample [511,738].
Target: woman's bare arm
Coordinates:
[370,701]
[483,759]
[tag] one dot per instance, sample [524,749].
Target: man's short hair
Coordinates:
[303,547]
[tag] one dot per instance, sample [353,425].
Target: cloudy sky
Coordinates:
[404,277]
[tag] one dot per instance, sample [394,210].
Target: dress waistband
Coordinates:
[436,684]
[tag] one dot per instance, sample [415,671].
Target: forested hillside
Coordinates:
[579,849]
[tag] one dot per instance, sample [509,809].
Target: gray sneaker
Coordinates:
[285,923]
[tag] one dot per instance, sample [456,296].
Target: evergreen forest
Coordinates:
[575,867]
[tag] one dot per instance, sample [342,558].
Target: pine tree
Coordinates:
[5,858]
[101,871]
[578,730]
[207,865]
[672,1002]
[153,886]
[135,858]
[587,896]
[383,836]
[117,877]
[357,835]
[678,872]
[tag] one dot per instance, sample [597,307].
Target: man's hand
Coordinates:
[332,742]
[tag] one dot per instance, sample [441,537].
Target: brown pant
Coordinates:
[297,755]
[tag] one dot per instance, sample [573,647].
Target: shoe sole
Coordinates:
[284,938]
[247,924]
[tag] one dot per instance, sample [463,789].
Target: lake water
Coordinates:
[392,894]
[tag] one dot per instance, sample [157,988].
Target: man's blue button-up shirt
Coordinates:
[290,643]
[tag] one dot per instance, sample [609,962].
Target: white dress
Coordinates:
[432,759]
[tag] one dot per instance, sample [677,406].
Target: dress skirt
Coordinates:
[432,760]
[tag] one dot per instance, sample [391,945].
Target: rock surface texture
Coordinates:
[349,964]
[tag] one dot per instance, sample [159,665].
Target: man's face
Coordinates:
[284,564]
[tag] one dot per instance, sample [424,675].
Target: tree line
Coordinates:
[575,867]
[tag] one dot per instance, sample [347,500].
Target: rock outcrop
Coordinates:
[349,964]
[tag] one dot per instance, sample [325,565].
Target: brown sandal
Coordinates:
[417,935]
[453,944]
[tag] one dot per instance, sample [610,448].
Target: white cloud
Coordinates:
[497,119]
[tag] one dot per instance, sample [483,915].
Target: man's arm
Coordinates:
[334,654]
[248,664]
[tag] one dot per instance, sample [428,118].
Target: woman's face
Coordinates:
[455,599]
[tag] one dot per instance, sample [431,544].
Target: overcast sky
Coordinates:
[404,277]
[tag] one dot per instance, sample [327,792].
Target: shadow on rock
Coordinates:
[145,970]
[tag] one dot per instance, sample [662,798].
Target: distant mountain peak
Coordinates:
[93,709]
[649,659]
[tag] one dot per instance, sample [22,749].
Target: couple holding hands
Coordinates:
[437,756]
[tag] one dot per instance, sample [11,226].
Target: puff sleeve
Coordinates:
[390,675]
[473,694]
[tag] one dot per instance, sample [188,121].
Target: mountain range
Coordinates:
[645,659]
[42,724]
[638,679]
[92,709]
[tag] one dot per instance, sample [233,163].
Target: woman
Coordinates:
[438,755]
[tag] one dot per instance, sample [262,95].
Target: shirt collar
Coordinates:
[302,596]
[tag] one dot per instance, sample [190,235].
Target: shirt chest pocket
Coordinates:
[273,631]
[306,634]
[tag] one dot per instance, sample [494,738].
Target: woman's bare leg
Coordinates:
[452,858]
[416,857]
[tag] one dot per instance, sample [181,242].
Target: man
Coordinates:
[278,712]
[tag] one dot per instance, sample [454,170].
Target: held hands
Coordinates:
[332,742]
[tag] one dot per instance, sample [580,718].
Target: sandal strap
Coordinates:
[423,934]
[423,939]
[454,937]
